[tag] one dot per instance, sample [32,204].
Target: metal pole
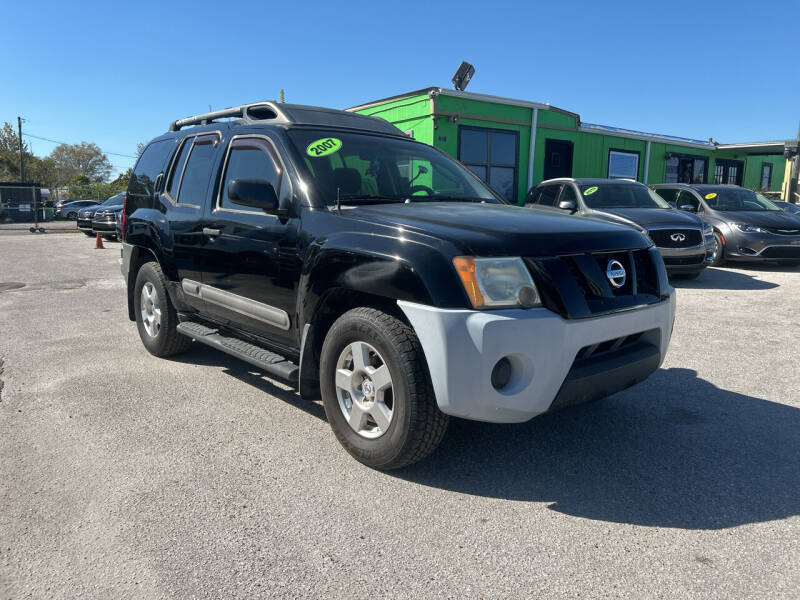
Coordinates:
[21,158]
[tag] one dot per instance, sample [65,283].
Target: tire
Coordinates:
[719,251]
[158,334]
[110,238]
[416,426]
[88,234]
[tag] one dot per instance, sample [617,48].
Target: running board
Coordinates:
[273,364]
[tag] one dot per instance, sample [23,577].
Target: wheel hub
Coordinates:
[364,390]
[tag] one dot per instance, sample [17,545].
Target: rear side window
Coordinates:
[667,194]
[249,158]
[194,181]
[147,170]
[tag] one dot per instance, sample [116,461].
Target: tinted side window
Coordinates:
[177,168]
[549,194]
[148,167]
[249,159]
[194,182]
[568,194]
[687,198]
[533,196]
[667,194]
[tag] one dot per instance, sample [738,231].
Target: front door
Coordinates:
[250,262]
[557,159]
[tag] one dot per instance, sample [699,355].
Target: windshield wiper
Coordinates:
[368,199]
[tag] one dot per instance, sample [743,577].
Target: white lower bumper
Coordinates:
[463,346]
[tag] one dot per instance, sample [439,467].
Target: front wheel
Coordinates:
[156,318]
[718,257]
[377,392]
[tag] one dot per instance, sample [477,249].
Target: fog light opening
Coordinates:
[501,373]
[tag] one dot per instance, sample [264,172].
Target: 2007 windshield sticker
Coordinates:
[710,196]
[590,191]
[323,147]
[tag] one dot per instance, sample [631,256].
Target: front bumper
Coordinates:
[104,226]
[686,260]
[84,224]
[761,246]
[462,347]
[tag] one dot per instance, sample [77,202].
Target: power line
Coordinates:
[36,137]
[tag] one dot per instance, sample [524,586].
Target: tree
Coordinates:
[9,155]
[80,159]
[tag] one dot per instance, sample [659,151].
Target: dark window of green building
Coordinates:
[685,168]
[493,155]
[766,175]
[728,171]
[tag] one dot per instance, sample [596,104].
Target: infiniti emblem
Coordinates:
[677,237]
[615,273]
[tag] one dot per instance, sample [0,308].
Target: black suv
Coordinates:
[375,272]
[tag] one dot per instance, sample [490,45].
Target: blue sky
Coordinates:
[117,73]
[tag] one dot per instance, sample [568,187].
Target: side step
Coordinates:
[272,363]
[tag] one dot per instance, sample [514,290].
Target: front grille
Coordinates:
[781,252]
[663,237]
[783,230]
[609,346]
[578,285]
[674,261]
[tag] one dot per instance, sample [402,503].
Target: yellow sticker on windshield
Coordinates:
[324,146]
[590,191]
[710,196]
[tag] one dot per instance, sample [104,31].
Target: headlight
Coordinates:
[744,227]
[496,282]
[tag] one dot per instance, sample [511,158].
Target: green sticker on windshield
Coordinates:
[710,196]
[323,147]
[590,191]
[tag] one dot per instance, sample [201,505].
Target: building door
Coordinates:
[728,171]
[557,159]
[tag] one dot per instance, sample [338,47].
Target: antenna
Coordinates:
[338,202]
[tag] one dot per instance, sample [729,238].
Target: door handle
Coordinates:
[211,232]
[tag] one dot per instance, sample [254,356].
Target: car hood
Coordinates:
[762,218]
[108,209]
[652,217]
[500,230]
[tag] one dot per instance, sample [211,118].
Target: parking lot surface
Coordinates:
[127,476]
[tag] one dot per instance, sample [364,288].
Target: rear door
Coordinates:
[250,265]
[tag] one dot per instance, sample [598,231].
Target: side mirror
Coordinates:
[688,207]
[568,205]
[257,193]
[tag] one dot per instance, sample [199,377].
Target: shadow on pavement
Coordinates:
[209,357]
[675,451]
[723,279]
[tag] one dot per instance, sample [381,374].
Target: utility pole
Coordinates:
[281,100]
[21,158]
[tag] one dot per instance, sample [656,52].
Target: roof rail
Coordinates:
[257,111]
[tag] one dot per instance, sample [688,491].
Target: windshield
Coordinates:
[114,200]
[364,168]
[621,195]
[735,199]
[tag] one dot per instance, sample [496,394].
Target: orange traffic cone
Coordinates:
[98,243]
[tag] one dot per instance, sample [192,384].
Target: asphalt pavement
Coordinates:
[127,476]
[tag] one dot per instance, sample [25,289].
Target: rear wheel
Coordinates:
[718,257]
[156,318]
[88,233]
[377,391]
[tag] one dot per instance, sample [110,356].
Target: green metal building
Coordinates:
[514,144]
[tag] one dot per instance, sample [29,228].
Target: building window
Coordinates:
[623,164]
[491,154]
[685,168]
[728,171]
[766,175]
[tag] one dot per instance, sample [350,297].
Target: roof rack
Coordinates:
[257,111]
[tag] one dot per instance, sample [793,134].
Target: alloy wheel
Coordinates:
[151,310]
[364,390]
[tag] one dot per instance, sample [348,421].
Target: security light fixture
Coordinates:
[463,75]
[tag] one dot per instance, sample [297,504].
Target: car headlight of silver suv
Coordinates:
[745,228]
[497,282]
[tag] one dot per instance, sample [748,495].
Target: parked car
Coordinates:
[329,249]
[68,209]
[85,219]
[788,207]
[746,225]
[685,243]
[105,218]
